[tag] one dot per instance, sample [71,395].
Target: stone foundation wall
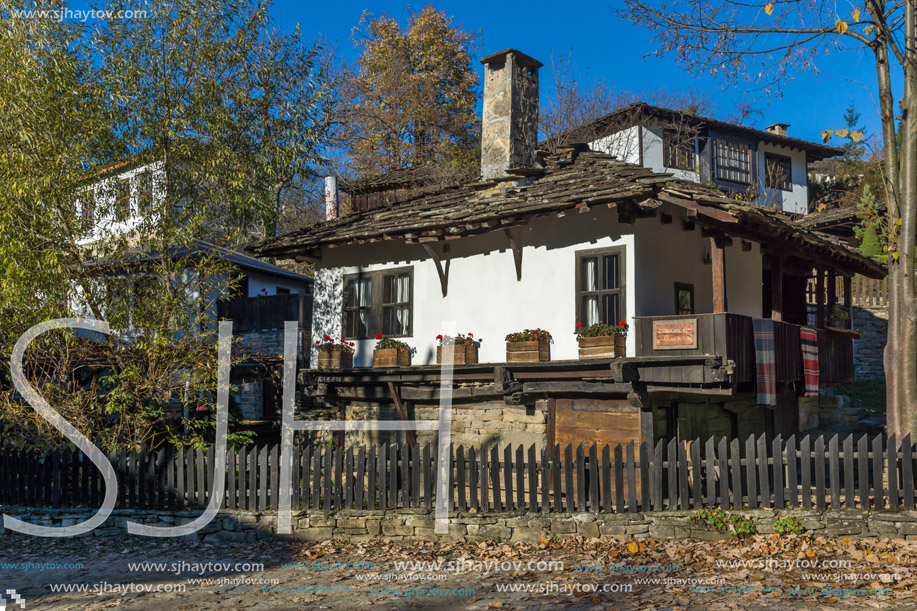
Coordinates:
[417,524]
[479,425]
[868,351]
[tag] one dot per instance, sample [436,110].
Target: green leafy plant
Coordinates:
[788,526]
[388,343]
[601,329]
[329,345]
[529,335]
[459,339]
[722,521]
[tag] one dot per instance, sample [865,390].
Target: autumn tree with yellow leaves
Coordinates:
[414,92]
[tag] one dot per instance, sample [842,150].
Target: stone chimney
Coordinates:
[331,198]
[509,133]
[778,129]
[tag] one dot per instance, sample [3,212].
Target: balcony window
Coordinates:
[733,161]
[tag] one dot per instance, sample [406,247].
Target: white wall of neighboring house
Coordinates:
[485,298]
[105,223]
[625,144]
[795,201]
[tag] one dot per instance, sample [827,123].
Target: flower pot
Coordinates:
[335,359]
[602,347]
[528,352]
[458,354]
[391,357]
[620,346]
[471,353]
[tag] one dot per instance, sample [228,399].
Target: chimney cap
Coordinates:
[778,128]
[521,58]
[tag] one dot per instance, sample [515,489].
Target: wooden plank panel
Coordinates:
[863,471]
[317,478]
[834,472]
[381,468]
[428,473]
[405,488]
[672,473]
[483,478]
[791,471]
[849,492]
[619,479]
[580,478]
[263,478]
[415,476]
[805,460]
[242,493]
[473,479]
[892,452]
[327,494]
[631,479]
[348,480]
[697,475]
[750,472]
[533,479]
[907,471]
[735,460]
[545,480]
[877,473]
[764,484]
[658,475]
[509,500]
[274,468]
[568,478]
[606,479]
[820,472]
[779,490]
[460,478]
[520,478]
[645,483]
[392,469]
[371,471]
[495,477]
[723,467]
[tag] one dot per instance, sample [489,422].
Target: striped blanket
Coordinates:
[808,338]
[765,365]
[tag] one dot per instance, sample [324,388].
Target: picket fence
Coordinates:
[805,473]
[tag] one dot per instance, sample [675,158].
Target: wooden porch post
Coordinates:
[848,300]
[718,259]
[832,290]
[819,298]
[776,287]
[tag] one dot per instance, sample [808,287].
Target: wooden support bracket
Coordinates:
[412,439]
[517,253]
[442,271]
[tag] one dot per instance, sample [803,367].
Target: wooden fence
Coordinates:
[805,473]
[864,292]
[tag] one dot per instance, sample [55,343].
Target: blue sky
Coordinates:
[614,50]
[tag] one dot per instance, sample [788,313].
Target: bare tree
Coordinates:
[764,42]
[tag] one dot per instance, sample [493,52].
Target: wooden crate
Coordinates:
[458,354]
[528,352]
[606,347]
[392,357]
[335,359]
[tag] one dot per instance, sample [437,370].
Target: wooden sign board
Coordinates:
[678,334]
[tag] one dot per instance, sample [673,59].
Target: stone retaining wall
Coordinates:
[417,524]
[868,351]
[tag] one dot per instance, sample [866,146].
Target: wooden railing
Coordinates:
[853,472]
[864,292]
[267,313]
[731,336]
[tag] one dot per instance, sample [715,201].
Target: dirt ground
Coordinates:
[781,572]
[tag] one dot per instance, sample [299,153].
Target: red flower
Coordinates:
[327,338]
[439,337]
[378,336]
[578,325]
[317,342]
[622,323]
[352,344]
[471,335]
